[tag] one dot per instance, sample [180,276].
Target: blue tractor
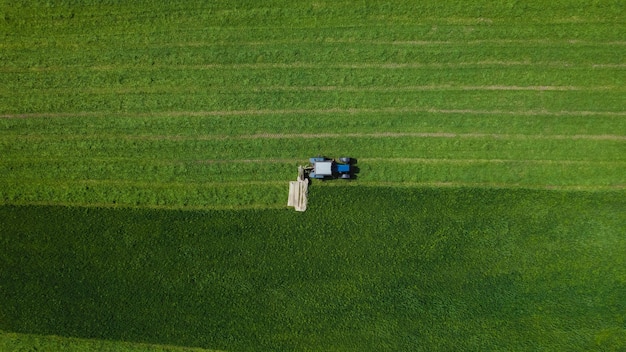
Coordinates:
[324,168]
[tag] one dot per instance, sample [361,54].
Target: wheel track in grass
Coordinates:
[428,135]
[331,88]
[378,135]
[441,87]
[192,207]
[496,185]
[350,111]
[407,160]
[314,66]
[325,41]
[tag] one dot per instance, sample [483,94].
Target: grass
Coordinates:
[132,107]
[460,268]
[146,149]
[154,160]
[213,171]
[17,342]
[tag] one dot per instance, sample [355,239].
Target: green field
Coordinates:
[450,269]
[146,149]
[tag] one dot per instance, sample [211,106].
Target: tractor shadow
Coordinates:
[355,171]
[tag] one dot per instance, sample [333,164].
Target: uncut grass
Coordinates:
[450,269]
[52,343]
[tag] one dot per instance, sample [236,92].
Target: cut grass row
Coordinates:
[469,269]
[530,172]
[140,101]
[535,17]
[189,125]
[317,54]
[263,183]
[376,146]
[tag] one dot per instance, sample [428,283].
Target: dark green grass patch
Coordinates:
[364,268]
[53,343]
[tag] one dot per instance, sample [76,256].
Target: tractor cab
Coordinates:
[325,168]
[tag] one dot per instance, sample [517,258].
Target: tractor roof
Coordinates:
[324,168]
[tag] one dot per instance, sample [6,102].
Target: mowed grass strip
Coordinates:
[142,102]
[133,164]
[595,148]
[190,124]
[227,76]
[316,55]
[160,194]
[147,23]
[471,269]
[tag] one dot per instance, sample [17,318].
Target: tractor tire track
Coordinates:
[295,161]
[350,89]
[325,41]
[428,135]
[190,207]
[313,66]
[494,185]
[350,111]
[269,136]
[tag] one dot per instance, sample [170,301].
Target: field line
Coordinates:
[351,111]
[494,161]
[549,42]
[440,87]
[475,185]
[325,41]
[270,136]
[426,135]
[151,184]
[424,161]
[255,206]
[179,184]
[304,160]
[216,137]
[603,137]
[276,88]
[313,65]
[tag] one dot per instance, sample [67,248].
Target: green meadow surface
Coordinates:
[364,268]
[214,105]
[50,343]
[146,146]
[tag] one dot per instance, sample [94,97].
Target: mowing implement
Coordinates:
[321,168]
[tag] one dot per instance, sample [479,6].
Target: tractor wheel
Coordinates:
[346,160]
[345,176]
